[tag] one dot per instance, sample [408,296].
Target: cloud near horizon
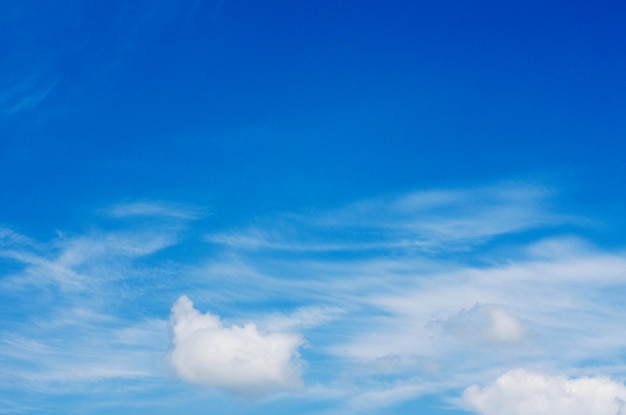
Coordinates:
[521,392]
[237,359]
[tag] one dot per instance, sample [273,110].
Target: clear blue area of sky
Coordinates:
[245,110]
[266,106]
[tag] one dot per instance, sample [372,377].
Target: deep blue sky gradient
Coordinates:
[247,105]
[267,117]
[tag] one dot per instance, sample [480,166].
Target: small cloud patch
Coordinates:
[237,359]
[486,323]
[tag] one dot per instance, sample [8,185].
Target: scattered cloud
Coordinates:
[237,359]
[455,306]
[70,319]
[536,305]
[521,392]
[397,297]
[485,323]
[77,263]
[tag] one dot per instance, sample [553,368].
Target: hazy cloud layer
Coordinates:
[239,359]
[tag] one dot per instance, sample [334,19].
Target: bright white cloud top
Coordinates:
[238,358]
[520,392]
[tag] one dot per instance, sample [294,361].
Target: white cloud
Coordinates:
[78,350]
[426,220]
[485,323]
[539,305]
[380,398]
[412,309]
[441,217]
[236,359]
[73,323]
[302,318]
[520,392]
[155,209]
[77,264]
[11,238]
[387,319]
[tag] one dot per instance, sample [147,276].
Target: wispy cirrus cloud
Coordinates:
[418,220]
[154,209]
[498,281]
[303,317]
[464,307]
[74,263]
[70,318]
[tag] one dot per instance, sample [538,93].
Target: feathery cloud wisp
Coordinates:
[153,209]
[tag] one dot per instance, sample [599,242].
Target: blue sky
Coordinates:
[312,207]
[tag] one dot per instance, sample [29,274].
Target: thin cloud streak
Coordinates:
[154,209]
[423,221]
[393,323]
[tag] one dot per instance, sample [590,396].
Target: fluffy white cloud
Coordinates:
[236,359]
[520,392]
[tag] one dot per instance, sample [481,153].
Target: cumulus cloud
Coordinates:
[486,323]
[520,392]
[238,359]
